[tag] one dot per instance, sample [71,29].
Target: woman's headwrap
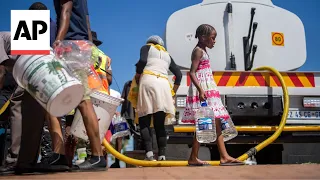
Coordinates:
[156,40]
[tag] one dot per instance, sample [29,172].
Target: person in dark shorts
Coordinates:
[73,24]
[103,69]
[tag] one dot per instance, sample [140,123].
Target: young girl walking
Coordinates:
[203,88]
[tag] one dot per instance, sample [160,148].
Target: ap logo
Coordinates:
[30,32]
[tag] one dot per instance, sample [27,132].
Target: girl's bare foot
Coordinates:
[197,162]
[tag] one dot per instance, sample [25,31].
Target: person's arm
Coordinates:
[5,46]
[109,71]
[89,28]
[195,57]
[109,76]
[144,51]
[4,55]
[137,78]
[88,23]
[66,9]
[176,71]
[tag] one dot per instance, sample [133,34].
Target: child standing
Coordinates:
[203,88]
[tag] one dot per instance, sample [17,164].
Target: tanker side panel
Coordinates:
[280,35]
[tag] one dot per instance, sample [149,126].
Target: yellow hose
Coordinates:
[144,163]
[253,129]
[252,151]
[4,107]
[277,133]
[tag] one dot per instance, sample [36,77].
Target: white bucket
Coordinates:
[49,82]
[105,107]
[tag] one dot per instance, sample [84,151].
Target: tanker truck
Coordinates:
[250,34]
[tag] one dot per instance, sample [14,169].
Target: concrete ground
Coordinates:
[301,171]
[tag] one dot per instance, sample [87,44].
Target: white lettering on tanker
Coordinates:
[189,37]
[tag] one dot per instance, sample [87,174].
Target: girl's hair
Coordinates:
[204,30]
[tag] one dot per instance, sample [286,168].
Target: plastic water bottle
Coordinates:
[120,127]
[75,158]
[228,129]
[39,158]
[251,161]
[82,155]
[205,124]
[80,57]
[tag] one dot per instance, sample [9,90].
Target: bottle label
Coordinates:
[224,124]
[204,124]
[120,127]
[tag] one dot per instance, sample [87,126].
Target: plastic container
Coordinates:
[205,124]
[82,153]
[105,106]
[228,129]
[251,161]
[49,82]
[77,50]
[80,57]
[120,127]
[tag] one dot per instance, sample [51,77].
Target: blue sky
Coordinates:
[124,25]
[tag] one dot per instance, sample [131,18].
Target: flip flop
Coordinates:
[232,164]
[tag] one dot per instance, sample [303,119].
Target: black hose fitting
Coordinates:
[251,152]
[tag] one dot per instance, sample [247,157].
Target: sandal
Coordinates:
[232,164]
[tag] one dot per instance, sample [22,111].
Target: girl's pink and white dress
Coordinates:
[206,81]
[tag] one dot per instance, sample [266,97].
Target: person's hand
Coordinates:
[174,99]
[58,51]
[68,131]
[202,96]
[137,78]
[56,43]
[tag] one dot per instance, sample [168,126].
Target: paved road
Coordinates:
[304,171]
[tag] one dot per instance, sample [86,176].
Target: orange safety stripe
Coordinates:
[232,79]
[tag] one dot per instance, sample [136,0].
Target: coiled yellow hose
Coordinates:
[252,151]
